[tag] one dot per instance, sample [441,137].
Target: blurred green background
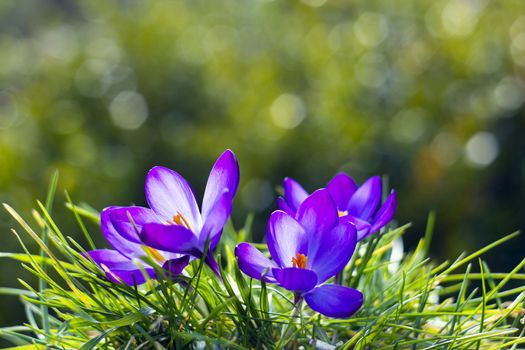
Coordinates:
[428,92]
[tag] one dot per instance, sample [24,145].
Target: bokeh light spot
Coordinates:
[459,17]
[481,149]
[128,110]
[371,28]
[445,148]
[408,125]
[509,94]
[314,3]
[287,111]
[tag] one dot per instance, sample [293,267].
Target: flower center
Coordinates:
[342,213]
[299,260]
[180,220]
[155,254]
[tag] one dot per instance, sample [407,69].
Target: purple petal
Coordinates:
[253,263]
[365,200]
[129,228]
[285,238]
[282,205]
[223,175]
[334,300]
[341,188]
[385,213]
[362,226]
[329,253]
[124,246]
[175,266]
[119,268]
[295,279]
[169,195]
[216,219]
[318,213]
[171,238]
[212,263]
[294,194]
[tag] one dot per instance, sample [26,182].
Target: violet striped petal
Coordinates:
[318,214]
[341,188]
[285,238]
[295,279]
[385,214]
[362,227]
[126,247]
[177,265]
[294,193]
[119,268]
[254,263]
[329,253]
[171,238]
[169,195]
[216,219]
[365,200]
[282,205]
[334,300]
[223,176]
[128,221]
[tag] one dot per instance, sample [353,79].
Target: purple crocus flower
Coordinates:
[307,249]
[121,264]
[180,227]
[356,204]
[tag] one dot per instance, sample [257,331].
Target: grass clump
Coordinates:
[410,301]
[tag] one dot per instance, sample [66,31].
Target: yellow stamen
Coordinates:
[342,213]
[156,255]
[181,221]
[299,260]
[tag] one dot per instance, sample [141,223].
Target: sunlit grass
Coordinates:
[410,301]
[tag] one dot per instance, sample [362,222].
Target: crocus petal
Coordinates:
[253,263]
[341,188]
[294,193]
[128,248]
[282,205]
[365,200]
[171,238]
[212,263]
[362,227]
[119,268]
[216,219]
[385,213]
[318,213]
[285,238]
[128,221]
[169,195]
[175,266]
[334,300]
[223,175]
[329,253]
[295,279]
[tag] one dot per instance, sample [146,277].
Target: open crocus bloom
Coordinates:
[355,204]
[179,226]
[307,249]
[122,264]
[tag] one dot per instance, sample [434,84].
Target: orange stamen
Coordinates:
[299,260]
[181,221]
[342,213]
[155,254]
